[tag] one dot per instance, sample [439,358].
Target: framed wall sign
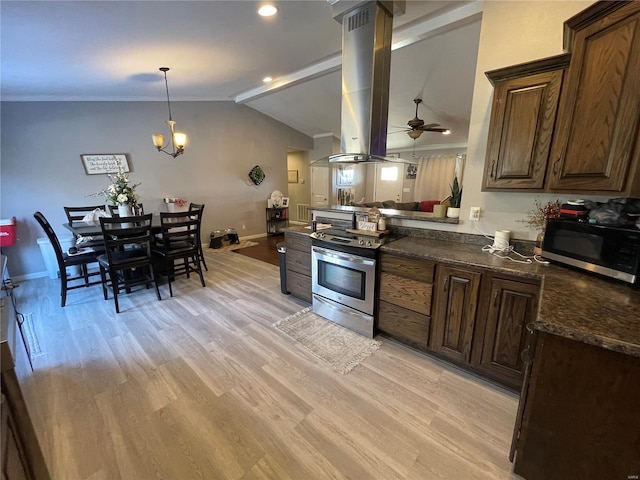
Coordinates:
[292,176]
[101,163]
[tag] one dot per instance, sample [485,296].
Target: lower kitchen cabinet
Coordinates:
[405,299]
[512,306]
[456,304]
[298,260]
[20,452]
[471,316]
[579,414]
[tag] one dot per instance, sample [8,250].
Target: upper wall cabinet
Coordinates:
[571,123]
[596,146]
[525,102]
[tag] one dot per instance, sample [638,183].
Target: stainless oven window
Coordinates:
[341,279]
[345,278]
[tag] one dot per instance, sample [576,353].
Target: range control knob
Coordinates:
[361,242]
[321,235]
[368,243]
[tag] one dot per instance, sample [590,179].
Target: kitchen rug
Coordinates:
[233,246]
[336,345]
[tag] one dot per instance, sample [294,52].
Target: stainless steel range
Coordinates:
[344,278]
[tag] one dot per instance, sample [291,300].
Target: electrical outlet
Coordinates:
[474,214]
[243,226]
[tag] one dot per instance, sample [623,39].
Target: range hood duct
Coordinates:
[366,62]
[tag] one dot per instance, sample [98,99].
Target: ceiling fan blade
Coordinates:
[430,125]
[434,129]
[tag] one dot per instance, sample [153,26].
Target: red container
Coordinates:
[8,232]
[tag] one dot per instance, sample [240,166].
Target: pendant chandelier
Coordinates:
[178,140]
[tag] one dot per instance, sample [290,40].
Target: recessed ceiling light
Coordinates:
[267,10]
[267,79]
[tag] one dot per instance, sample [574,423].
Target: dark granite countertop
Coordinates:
[573,304]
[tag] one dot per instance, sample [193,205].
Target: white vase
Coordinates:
[171,207]
[125,210]
[453,212]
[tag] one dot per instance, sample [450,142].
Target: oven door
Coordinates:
[345,278]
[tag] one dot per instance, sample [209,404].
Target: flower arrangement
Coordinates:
[121,191]
[537,217]
[179,202]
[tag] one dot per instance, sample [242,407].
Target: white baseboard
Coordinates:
[249,237]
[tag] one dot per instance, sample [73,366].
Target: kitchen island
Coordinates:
[579,414]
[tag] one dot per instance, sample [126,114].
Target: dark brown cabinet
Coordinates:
[579,414]
[523,115]
[472,316]
[21,456]
[298,261]
[596,139]
[404,310]
[456,304]
[512,306]
[571,123]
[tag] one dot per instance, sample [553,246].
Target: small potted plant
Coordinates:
[456,196]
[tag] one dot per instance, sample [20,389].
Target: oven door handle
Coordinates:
[343,256]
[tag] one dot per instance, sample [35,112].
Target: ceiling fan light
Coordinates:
[180,139]
[447,132]
[414,133]
[158,139]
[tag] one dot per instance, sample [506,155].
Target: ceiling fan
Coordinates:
[417,125]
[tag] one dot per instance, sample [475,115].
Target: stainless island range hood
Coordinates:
[366,62]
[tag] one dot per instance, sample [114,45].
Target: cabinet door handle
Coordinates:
[529,327]
[525,356]
[493,164]
[556,164]
[495,299]
[445,283]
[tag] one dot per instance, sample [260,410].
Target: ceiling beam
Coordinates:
[402,37]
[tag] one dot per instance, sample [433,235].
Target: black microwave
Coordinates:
[606,250]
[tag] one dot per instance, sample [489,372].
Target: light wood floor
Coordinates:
[201,386]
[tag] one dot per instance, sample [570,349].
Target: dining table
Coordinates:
[93,229]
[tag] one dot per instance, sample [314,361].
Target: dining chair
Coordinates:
[127,261]
[75,215]
[199,206]
[113,209]
[179,241]
[84,257]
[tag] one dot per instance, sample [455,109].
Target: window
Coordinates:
[389,173]
[345,175]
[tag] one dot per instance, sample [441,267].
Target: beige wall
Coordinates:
[512,33]
[41,167]
[299,192]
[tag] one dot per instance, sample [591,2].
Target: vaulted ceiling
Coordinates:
[221,50]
